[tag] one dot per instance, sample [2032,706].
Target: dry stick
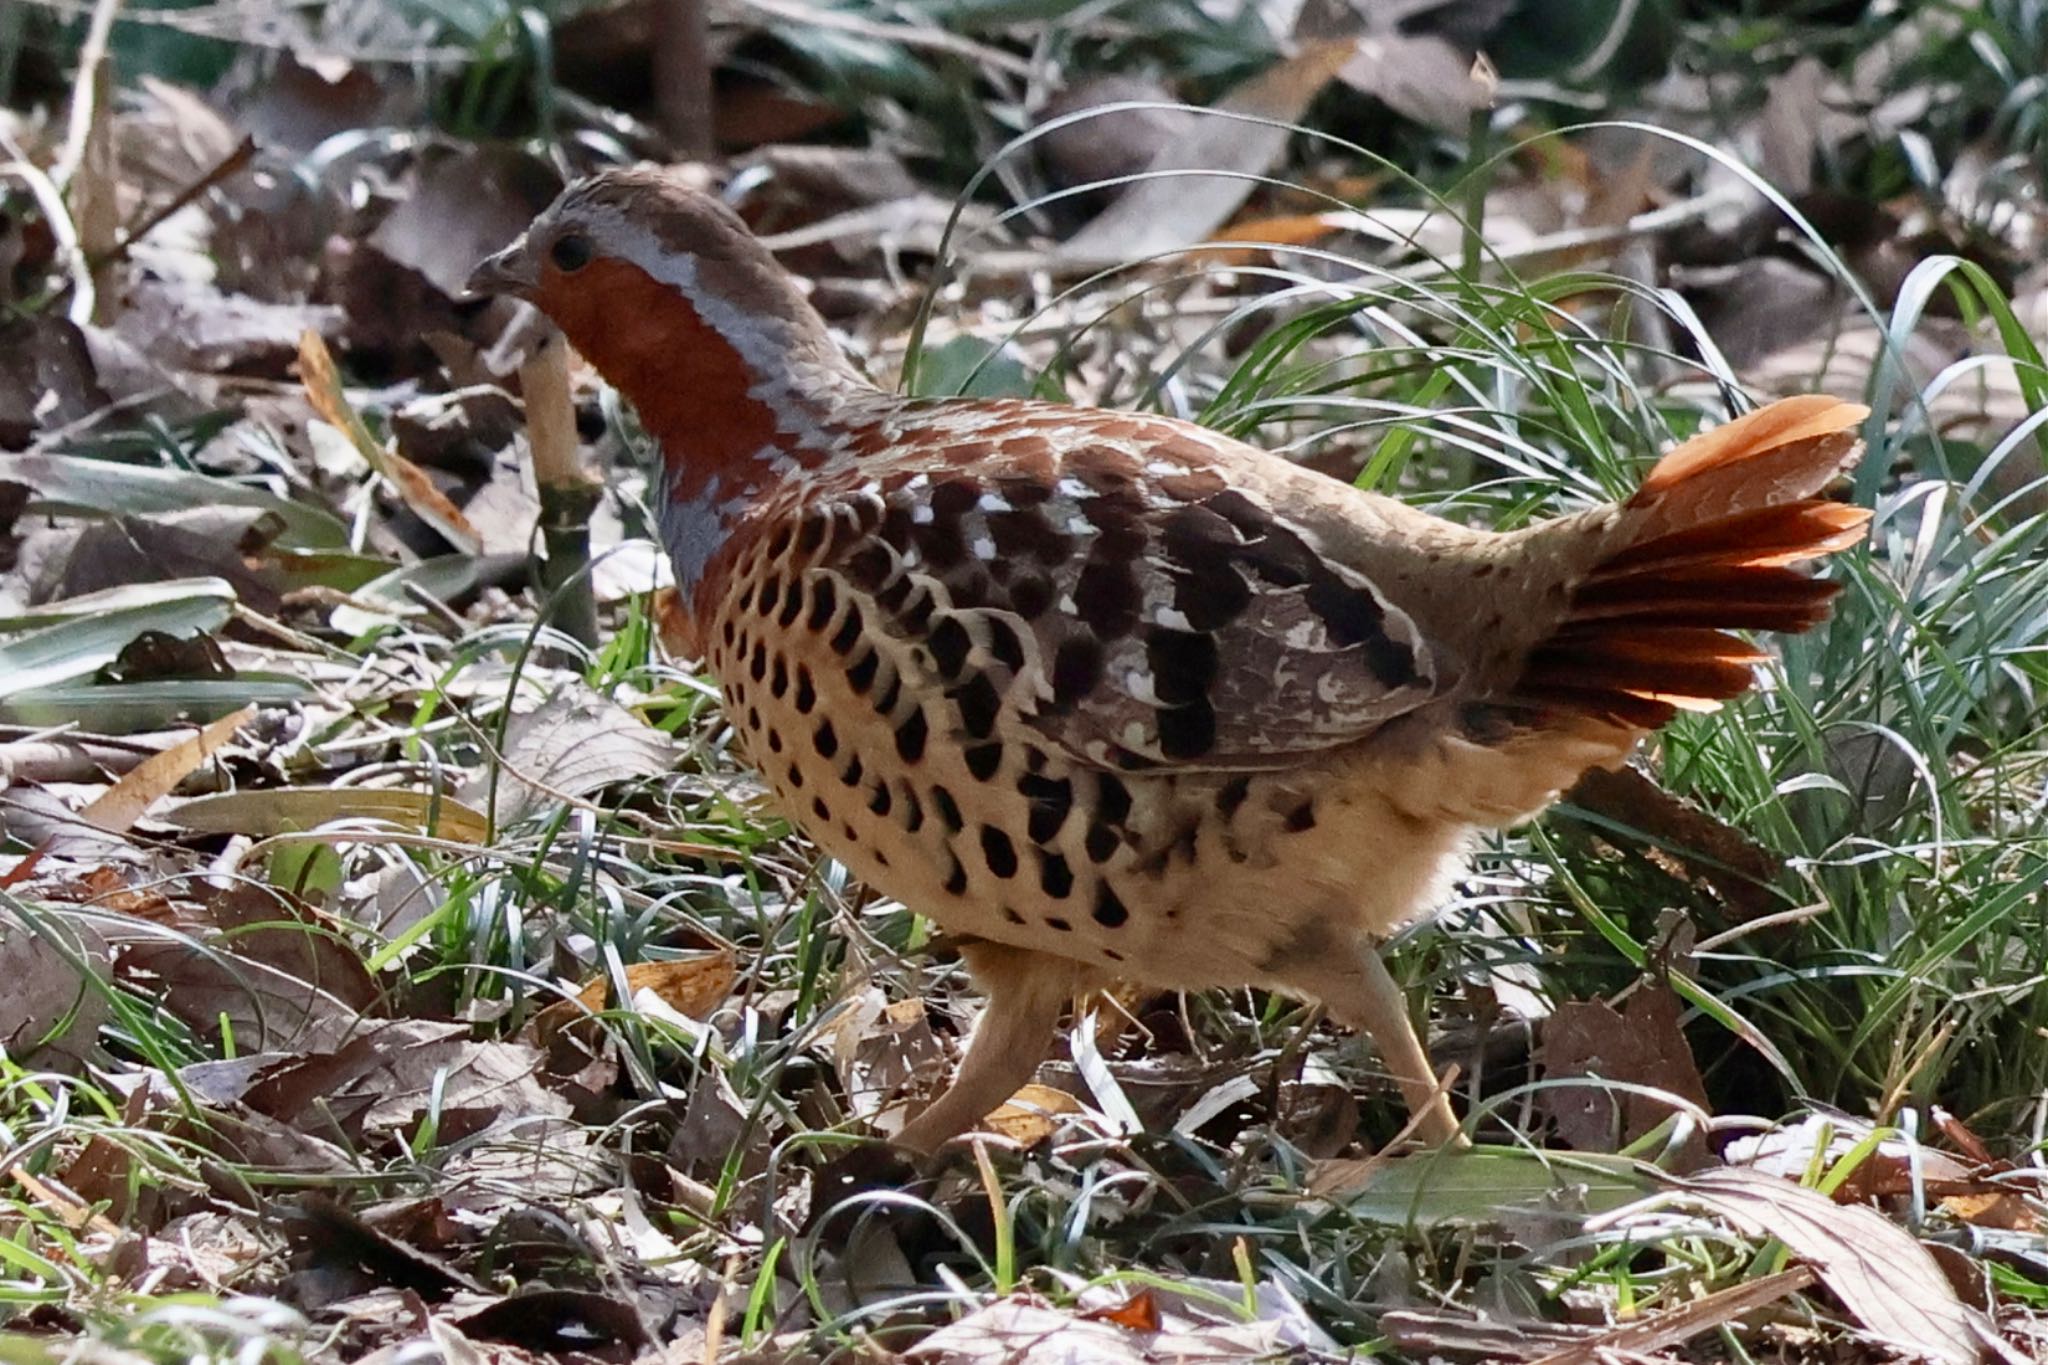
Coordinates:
[682,75]
[88,173]
[234,161]
[568,495]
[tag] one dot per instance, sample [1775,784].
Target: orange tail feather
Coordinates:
[1704,548]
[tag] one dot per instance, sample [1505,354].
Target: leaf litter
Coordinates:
[458,961]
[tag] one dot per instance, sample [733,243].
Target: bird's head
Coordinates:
[664,290]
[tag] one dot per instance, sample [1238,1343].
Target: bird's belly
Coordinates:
[1175,880]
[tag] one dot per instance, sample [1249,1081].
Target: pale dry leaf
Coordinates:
[881,1050]
[574,743]
[1682,1323]
[1021,1329]
[118,808]
[1171,211]
[1788,130]
[1879,1271]
[463,206]
[322,382]
[51,1011]
[1419,76]
[291,810]
[1823,1141]
[190,325]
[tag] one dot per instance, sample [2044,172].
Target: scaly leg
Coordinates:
[1359,990]
[1026,993]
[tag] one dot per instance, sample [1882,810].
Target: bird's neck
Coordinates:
[723,386]
[737,397]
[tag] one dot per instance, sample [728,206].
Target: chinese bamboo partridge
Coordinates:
[1111,695]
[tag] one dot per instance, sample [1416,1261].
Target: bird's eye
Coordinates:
[571,252]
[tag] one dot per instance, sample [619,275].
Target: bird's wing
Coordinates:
[1107,580]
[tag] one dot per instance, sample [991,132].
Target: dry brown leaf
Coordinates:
[323,390]
[1644,1046]
[1736,866]
[190,325]
[392,1073]
[1892,1168]
[691,986]
[266,1008]
[561,1321]
[118,808]
[463,205]
[48,378]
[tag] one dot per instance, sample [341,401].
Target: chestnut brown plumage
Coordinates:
[1111,695]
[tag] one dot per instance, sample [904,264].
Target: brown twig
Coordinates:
[225,167]
[682,75]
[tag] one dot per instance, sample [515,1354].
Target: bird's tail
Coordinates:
[1704,547]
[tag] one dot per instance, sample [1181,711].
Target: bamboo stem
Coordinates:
[568,494]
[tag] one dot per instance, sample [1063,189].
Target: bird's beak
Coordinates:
[507,272]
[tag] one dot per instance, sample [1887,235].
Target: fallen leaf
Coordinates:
[1419,76]
[1736,866]
[118,808]
[1032,1115]
[1643,1047]
[574,743]
[135,552]
[559,1320]
[1675,1326]
[47,378]
[691,986]
[392,1074]
[329,1234]
[1140,1312]
[291,810]
[188,325]
[463,206]
[52,1009]
[1219,160]
[1879,1271]
[1111,144]
[323,389]
[219,993]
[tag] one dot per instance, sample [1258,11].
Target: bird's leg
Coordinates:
[1355,984]
[1027,992]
